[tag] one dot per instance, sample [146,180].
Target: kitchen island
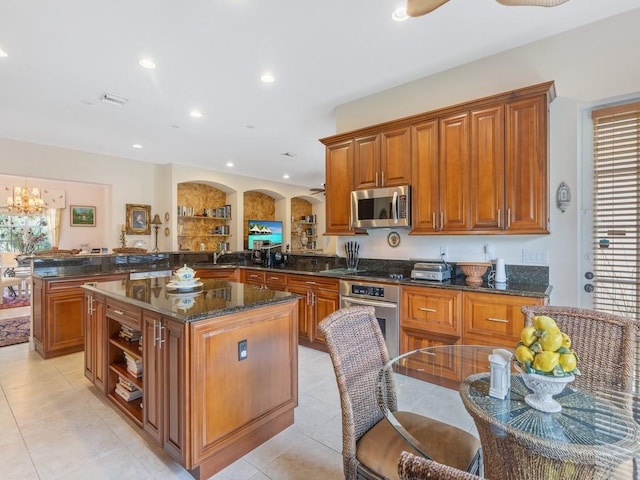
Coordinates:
[208,374]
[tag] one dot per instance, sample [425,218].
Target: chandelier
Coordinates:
[25,202]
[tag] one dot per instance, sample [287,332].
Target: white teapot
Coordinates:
[184,274]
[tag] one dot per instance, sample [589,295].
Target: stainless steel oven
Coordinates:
[385,299]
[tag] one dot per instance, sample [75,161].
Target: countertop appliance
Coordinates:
[381,207]
[385,300]
[433,271]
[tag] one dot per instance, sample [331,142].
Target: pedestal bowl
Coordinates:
[544,387]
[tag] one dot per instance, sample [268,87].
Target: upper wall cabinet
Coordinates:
[476,168]
[338,187]
[383,159]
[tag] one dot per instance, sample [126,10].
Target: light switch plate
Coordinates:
[535,257]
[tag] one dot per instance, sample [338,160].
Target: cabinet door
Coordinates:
[487,168]
[64,329]
[424,153]
[95,338]
[454,173]
[339,184]
[493,319]
[153,361]
[395,157]
[448,372]
[324,302]
[305,335]
[366,163]
[526,167]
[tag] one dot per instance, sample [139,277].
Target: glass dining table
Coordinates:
[594,436]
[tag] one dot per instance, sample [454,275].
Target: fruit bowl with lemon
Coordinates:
[546,361]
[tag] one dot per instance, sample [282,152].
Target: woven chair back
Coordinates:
[605,344]
[358,353]
[413,467]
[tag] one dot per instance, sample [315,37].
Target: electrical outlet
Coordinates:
[243,351]
[489,252]
[444,253]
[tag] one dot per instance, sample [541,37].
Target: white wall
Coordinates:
[109,183]
[586,70]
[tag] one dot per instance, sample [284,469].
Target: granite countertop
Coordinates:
[215,298]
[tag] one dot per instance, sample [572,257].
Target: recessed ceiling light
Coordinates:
[3,53]
[147,63]
[400,14]
[285,176]
[229,164]
[136,145]
[267,78]
[196,114]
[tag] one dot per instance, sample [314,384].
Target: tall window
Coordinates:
[616,209]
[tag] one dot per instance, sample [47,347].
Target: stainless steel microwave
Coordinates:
[381,207]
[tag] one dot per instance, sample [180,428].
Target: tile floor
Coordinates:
[55,427]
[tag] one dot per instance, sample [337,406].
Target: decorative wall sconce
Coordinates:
[563,197]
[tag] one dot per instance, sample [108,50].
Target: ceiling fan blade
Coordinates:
[532,3]
[416,8]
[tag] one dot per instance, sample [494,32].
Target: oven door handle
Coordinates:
[370,303]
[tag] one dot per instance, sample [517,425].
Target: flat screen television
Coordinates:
[268,231]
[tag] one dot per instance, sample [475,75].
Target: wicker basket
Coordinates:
[474,271]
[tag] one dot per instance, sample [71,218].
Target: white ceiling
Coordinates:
[64,54]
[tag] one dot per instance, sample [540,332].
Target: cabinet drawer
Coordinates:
[432,310]
[276,279]
[494,319]
[314,282]
[253,277]
[124,313]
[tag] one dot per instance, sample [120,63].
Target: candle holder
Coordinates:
[123,239]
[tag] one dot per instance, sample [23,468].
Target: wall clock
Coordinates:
[393,239]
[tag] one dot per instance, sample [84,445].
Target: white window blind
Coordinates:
[616,209]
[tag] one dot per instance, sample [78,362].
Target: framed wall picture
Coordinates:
[82,216]
[138,219]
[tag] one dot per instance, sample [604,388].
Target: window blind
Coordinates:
[616,209]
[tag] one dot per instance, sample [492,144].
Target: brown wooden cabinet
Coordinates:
[338,187]
[480,167]
[253,277]
[491,319]
[429,317]
[321,297]
[164,357]
[383,159]
[58,306]
[527,164]
[95,340]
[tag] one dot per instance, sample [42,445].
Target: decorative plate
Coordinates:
[167,231]
[393,239]
[181,286]
[166,216]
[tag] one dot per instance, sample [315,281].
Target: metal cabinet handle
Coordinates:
[425,309]
[308,297]
[433,221]
[499,219]
[376,183]
[160,339]
[508,217]
[119,312]
[441,220]
[498,320]
[382,182]
[313,298]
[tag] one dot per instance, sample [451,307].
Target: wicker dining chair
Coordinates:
[415,467]
[605,344]
[370,445]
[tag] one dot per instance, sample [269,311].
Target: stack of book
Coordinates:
[129,334]
[134,365]
[127,390]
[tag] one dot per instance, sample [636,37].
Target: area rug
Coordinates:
[10,302]
[14,330]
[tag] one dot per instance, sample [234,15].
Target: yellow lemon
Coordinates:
[528,335]
[566,340]
[542,322]
[546,361]
[523,354]
[568,362]
[551,340]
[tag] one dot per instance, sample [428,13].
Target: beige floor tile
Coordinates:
[308,459]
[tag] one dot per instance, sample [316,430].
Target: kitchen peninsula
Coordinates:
[208,374]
